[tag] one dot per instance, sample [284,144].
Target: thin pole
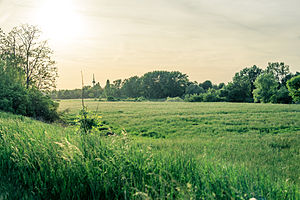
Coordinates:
[82,101]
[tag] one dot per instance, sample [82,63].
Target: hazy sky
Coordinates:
[206,39]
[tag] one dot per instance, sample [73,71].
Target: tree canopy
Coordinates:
[23,48]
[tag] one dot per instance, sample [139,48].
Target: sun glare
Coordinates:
[59,20]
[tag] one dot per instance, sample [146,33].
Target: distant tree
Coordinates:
[250,74]
[237,91]
[206,85]
[280,72]
[23,48]
[266,88]
[116,88]
[107,89]
[282,96]
[294,88]
[131,87]
[162,84]
[194,88]
[212,95]
[221,85]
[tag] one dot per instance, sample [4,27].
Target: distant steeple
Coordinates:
[94,82]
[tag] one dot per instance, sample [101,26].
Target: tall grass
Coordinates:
[42,161]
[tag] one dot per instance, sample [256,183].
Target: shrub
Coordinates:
[293,86]
[266,87]
[140,99]
[194,98]
[110,98]
[174,99]
[15,98]
[282,96]
[211,95]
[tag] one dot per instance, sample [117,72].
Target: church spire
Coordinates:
[94,82]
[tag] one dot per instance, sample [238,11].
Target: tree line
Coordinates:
[275,84]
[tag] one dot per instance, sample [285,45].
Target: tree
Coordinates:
[107,89]
[206,85]
[132,87]
[282,96]
[294,88]
[162,84]
[250,74]
[194,88]
[266,88]
[237,91]
[15,98]
[23,48]
[279,70]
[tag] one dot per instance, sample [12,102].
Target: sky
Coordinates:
[117,39]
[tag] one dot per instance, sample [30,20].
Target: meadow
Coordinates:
[164,150]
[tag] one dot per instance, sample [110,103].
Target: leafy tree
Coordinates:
[279,70]
[15,98]
[206,85]
[116,88]
[221,85]
[107,89]
[132,87]
[23,48]
[212,95]
[194,88]
[294,88]
[237,91]
[282,96]
[266,88]
[162,84]
[248,74]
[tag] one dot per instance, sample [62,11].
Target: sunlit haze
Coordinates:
[114,39]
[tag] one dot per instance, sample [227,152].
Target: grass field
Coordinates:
[172,151]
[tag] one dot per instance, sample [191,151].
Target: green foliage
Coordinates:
[132,87]
[15,98]
[294,88]
[89,92]
[212,95]
[238,91]
[206,85]
[282,96]
[266,87]
[41,106]
[88,122]
[174,99]
[193,97]
[194,88]
[280,71]
[110,98]
[22,48]
[163,84]
[140,99]
[50,162]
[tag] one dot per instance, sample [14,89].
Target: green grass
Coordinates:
[172,151]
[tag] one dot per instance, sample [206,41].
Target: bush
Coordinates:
[193,98]
[294,88]
[140,99]
[110,98]
[41,106]
[282,96]
[211,95]
[174,99]
[15,98]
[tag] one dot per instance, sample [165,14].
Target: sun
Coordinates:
[59,20]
